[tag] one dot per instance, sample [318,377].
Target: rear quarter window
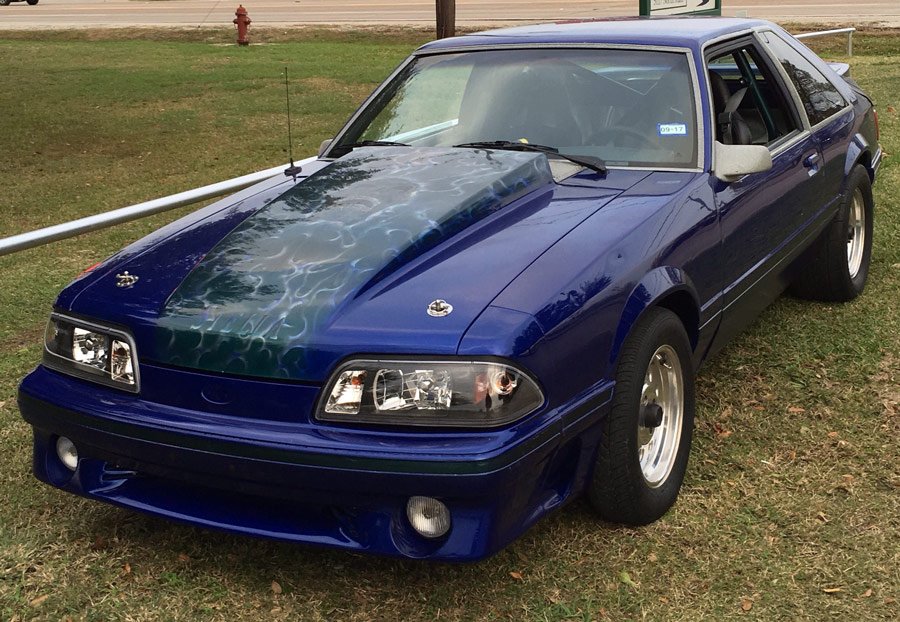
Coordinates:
[820,97]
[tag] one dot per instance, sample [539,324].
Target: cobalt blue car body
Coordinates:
[220,342]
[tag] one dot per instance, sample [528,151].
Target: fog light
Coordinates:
[428,516]
[67,453]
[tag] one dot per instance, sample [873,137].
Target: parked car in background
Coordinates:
[488,296]
[6,2]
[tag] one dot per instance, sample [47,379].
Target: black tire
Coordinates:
[825,270]
[32,2]
[4,2]
[619,490]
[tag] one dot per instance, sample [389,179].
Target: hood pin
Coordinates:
[126,280]
[439,308]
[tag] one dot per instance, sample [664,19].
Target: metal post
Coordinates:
[850,43]
[445,11]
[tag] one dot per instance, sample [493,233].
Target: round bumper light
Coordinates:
[67,453]
[429,517]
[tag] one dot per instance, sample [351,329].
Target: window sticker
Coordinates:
[672,129]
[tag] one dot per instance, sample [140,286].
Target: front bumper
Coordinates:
[213,476]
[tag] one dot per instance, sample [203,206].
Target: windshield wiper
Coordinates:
[345,149]
[375,143]
[591,162]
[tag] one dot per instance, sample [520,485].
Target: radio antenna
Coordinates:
[293,169]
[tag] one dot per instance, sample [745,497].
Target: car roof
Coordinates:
[689,32]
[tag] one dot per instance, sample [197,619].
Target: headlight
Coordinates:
[476,394]
[87,350]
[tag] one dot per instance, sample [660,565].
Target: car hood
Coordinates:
[346,261]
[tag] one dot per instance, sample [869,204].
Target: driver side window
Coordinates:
[750,107]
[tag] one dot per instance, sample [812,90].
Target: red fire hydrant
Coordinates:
[242,21]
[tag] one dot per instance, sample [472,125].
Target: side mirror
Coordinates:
[324,146]
[734,161]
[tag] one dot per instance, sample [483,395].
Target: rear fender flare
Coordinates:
[857,151]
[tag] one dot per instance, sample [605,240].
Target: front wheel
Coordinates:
[643,453]
[32,2]
[5,2]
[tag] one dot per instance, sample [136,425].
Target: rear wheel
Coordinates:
[32,2]
[4,2]
[646,439]
[836,267]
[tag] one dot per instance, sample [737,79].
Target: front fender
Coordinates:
[663,286]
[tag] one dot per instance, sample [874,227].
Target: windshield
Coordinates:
[626,107]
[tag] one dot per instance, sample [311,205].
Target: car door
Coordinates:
[829,113]
[762,216]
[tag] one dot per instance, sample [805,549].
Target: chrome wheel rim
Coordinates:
[856,234]
[664,386]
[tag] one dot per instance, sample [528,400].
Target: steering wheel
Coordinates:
[616,132]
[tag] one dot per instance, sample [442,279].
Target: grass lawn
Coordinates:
[791,508]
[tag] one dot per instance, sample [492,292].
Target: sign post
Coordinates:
[446,18]
[680,7]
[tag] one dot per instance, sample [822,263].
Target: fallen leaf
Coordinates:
[2,404]
[746,603]
[821,516]
[625,578]
[889,600]
[184,557]
[99,543]
[721,432]
[891,109]
[39,600]
[516,575]
[276,587]
[832,590]
[833,435]
[126,569]
[796,410]
[652,557]
[867,593]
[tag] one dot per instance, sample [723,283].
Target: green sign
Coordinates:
[680,7]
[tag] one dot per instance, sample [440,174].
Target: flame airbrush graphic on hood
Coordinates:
[264,290]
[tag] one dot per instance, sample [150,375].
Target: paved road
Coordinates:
[112,13]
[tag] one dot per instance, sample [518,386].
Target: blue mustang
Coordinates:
[488,295]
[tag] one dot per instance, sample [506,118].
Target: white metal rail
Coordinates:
[133,212]
[837,31]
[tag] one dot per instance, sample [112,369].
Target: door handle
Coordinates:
[812,163]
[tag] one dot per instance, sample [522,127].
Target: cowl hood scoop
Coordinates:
[266,288]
